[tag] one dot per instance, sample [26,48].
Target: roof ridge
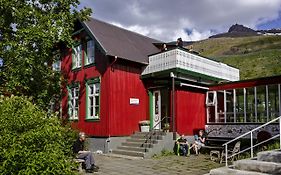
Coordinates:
[125,29]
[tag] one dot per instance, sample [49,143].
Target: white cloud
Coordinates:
[167,20]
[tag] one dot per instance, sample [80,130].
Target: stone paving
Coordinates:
[162,165]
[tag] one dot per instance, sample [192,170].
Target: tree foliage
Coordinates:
[29,31]
[32,142]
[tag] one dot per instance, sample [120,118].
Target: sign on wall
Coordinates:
[134,101]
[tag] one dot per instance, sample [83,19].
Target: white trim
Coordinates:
[195,86]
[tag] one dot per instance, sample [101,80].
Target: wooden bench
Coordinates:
[80,162]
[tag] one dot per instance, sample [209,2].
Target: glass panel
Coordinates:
[211,98]
[156,103]
[91,112]
[90,52]
[273,101]
[97,100]
[97,85]
[250,105]
[229,106]
[261,104]
[239,105]
[91,99]
[220,98]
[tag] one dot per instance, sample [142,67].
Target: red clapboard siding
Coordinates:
[125,83]
[190,111]
[91,128]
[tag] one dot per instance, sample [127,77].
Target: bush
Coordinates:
[31,142]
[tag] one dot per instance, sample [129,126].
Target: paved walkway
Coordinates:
[165,165]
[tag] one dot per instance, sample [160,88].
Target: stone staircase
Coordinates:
[145,144]
[266,162]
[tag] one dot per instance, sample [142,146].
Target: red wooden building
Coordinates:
[116,78]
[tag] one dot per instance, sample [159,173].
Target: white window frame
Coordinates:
[90,52]
[211,102]
[95,85]
[73,103]
[77,56]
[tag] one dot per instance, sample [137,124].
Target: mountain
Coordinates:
[238,30]
[255,56]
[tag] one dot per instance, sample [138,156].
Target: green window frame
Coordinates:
[93,99]
[90,52]
[73,101]
[77,56]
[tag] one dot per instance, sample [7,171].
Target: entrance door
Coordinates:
[156,110]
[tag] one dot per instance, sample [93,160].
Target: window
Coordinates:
[73,102]
[239,109]
[90,52]
[229,105]
[77,56]
[250,105]
[273,101]
[211,98]
[261,104]
[93,99]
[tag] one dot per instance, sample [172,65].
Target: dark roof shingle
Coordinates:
[121,42]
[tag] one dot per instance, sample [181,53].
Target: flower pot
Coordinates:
[144,128]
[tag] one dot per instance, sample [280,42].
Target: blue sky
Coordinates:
[192,20]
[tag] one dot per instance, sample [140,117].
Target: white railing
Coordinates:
[251,137]
[178,58]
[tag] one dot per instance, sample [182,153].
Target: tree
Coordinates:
[31,141]
[30,33]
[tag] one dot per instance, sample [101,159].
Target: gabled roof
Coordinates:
[122,43]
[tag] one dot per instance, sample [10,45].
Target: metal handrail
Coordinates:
[252,146]
[153,129]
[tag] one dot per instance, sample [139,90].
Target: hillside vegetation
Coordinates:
[256,56]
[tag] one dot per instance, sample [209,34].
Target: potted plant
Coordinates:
[144,125]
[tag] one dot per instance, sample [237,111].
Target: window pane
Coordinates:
[261,104]
[97,100]
[250,101]
[90,52]
[91,101]
[273,101]
[240,105]
[97,86]
[229,106]
[220,98]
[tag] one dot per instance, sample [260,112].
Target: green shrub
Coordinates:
[31,142]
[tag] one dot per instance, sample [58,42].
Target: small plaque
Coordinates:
[134,101]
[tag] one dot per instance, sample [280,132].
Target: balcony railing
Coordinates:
[178,58]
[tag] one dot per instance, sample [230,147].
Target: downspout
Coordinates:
[173,105]
[108,139]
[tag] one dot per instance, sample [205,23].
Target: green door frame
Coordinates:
[150,95]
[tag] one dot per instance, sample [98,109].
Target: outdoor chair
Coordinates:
[230,154]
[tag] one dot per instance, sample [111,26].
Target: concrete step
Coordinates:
[138,149]
[258,166]
[128,153]
[142,141]
[136,144]
[156,133]
[159,137]
[231,171]
[270,156]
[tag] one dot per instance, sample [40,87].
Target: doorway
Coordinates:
[160,109]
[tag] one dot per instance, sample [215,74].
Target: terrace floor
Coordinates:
[162,165]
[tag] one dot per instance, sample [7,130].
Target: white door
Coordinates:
[156,110]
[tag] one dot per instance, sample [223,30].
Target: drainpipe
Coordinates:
[173,105]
